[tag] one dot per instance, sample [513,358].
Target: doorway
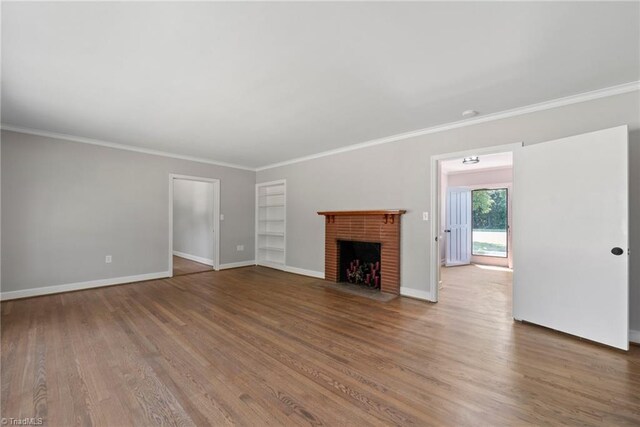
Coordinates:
[194,218]
[472,196]
[563,259]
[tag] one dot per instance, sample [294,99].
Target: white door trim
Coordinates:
[216,217]
[434,274]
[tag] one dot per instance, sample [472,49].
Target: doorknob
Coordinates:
[617,251]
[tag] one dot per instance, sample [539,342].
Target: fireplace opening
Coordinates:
[360,263]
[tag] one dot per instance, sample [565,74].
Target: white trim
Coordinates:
[546,105]
[118,146]
[216,218]
[304,272]
[195,258]
[435,262]
[237,264]
[634,336]
[416,293]
[46,290]
[274,265]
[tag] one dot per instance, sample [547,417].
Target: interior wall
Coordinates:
[66,205]
[481,177]
[401,178]
[193,219]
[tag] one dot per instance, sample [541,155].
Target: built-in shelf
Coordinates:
[271,224]
[271,233]
[271,248]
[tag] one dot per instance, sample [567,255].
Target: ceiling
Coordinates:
[258,83]
[487,161]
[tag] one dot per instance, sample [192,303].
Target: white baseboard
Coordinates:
[634,336]
[304,272]
[46,290]
[416,293]
[237,264]
[194,258]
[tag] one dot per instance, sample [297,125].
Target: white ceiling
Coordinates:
[258,83]
[487,161]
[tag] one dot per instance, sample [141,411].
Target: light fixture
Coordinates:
[471,160]
[469,113]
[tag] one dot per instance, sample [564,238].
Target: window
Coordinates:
[489,222]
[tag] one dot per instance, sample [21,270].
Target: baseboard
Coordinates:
[237,264]
[634,336]
[46,290]
[416,293]
[195,258]
[304,272]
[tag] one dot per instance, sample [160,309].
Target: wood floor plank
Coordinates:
[256,346]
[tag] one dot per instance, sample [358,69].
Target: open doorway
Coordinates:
[474,220]
[194,211]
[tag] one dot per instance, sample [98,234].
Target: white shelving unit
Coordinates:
[271,224]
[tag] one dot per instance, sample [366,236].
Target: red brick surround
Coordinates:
[381,226]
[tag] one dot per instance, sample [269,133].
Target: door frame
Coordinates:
[216,217]
[436,203]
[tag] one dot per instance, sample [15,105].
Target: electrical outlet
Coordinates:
[425,216]
[240,248]
[107,259]
[221,217]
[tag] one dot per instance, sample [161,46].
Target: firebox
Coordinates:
[360,263]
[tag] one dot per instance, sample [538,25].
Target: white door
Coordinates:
[458,224]
[571,213]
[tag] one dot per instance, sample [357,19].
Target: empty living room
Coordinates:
[343,213]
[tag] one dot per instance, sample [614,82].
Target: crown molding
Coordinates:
[546,105]
[118,146]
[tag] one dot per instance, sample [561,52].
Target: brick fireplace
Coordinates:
[379,226]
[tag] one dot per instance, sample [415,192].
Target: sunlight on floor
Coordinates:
[493,267]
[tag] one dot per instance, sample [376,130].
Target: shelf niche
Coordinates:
[271,224]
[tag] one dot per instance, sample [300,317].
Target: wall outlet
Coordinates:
[425,216]
[221,217]
[240,248]
[107,259]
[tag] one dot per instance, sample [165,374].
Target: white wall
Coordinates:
[398,176]
[65,205]
[193,219]
[481,177]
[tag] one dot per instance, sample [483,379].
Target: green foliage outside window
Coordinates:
[490,209]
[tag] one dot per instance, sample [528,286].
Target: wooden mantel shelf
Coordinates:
[355,213]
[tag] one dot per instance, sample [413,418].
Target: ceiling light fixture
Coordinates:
[471,160]
[469,113]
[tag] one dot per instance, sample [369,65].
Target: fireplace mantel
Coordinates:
[375,226]
[387,215]
[355,213]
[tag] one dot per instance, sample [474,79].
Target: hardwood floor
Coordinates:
[255,346]
[182,266]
